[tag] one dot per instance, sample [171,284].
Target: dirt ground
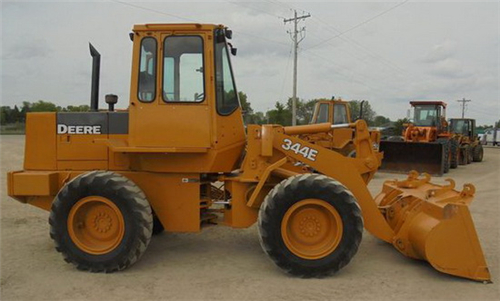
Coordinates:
[226,264]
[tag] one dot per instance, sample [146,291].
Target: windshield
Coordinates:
[339,114]
[458,126]
[227,96]
[427,115]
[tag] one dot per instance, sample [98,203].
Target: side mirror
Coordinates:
[229,34]
[131,36]
[233,50]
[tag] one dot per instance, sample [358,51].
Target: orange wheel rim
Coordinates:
[311,229]
[96,225]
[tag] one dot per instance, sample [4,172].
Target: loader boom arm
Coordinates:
[354,173]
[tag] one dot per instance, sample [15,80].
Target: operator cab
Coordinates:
[331,111]
[183,93]
[465,127]
[428,113]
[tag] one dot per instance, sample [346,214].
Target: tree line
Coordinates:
[281,113]
[11,115]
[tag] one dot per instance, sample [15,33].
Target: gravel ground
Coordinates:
[227,264]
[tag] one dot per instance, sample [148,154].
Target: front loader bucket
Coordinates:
[403,157]
[433,223]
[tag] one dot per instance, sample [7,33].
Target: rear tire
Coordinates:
[454,153]
[310,225]
[101,222]
[478,153]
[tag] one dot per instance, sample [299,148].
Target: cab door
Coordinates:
[170,104]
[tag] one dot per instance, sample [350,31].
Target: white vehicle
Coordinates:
[491,136]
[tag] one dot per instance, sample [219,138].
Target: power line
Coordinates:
[379,58]
[360,24]
[256,9]
[192,20]
[348,78]
[153,10]
[483,113]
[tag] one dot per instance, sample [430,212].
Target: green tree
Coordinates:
[259,118]
[399,126]
[279,115]
[305,110]
[81,108]
[368,113]
[24,110]
[246,107]
[5,115]
[381,121]
[43,106]
[245,104]
[16,115]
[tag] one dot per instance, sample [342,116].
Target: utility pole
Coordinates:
[296,42]
[463,101]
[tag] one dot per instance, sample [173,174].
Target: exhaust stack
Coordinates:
[96,66]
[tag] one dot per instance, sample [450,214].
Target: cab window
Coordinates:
[459,127]
[322,113]
[339,114]
[183,69]
[147,70]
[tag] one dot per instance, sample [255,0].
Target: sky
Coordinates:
[388,53]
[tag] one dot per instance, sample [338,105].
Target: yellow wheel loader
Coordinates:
[465,139]
[337,112]
[109,177]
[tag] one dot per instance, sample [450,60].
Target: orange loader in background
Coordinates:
[425,145]
[110,178]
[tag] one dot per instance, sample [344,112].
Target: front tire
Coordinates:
[477,153]
[446,157]
[310,225]
[464,155]
[454,153]
[101,222]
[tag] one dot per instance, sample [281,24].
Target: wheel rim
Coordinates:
[311,229]
[96,225]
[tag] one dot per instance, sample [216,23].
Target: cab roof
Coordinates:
[428,102]
[175,26]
